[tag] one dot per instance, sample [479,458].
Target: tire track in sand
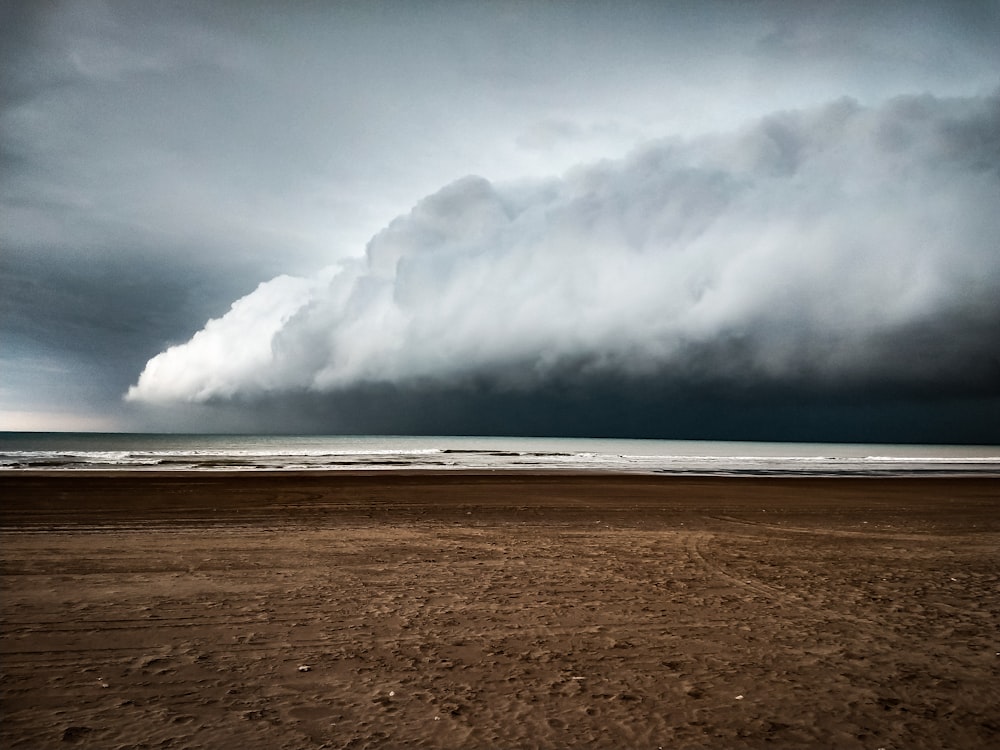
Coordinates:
[696,544]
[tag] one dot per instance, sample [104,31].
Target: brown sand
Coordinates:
[498,611]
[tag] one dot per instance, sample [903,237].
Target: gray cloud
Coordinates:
[839,249]
[158,160]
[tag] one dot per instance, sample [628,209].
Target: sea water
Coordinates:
[120,451]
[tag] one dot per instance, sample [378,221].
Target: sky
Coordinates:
[695,220]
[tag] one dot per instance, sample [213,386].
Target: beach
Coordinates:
[384,609]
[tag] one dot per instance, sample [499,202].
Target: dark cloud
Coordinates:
[619,408]
[838,253]
[158,160]
[74,333]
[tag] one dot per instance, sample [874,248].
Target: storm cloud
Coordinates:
[646,168]
[837,249]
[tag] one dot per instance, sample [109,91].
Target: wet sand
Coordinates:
[388,610]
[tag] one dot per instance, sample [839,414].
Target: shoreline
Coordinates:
[499,474]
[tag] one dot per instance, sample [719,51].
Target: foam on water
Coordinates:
[82,451]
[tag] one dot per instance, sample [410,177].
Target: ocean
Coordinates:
[164,452]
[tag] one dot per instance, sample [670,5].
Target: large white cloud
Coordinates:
[843,244]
